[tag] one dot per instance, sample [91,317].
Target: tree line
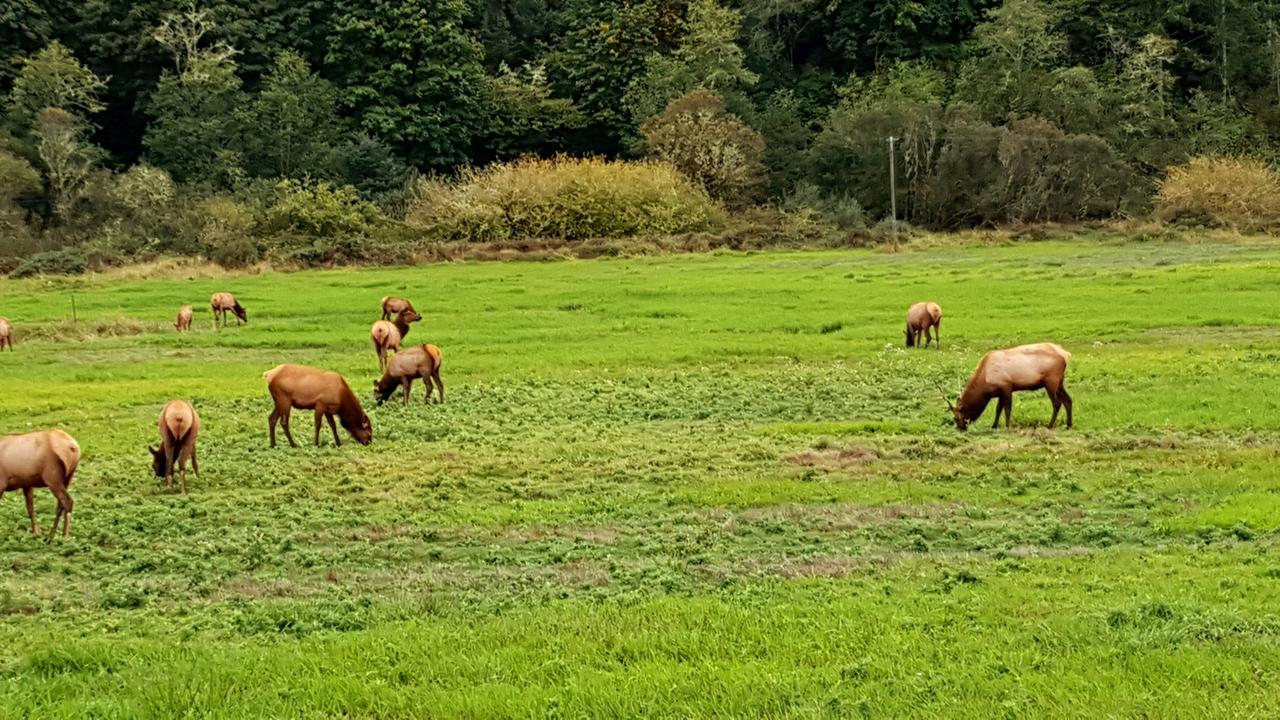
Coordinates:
[1008,111]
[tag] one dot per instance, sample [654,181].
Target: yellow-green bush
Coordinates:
[565,199]
[1231,192]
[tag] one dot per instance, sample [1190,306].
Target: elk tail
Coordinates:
[384,299]
[270,374]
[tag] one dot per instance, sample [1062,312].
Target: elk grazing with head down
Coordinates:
[222,303]
[392,306]
[296,386]
[1001,373]
[416,362]
[45,458]
[921,317]
[387,335]
[6,334]
[185,316]
[179,425]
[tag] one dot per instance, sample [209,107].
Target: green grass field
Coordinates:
[688,486]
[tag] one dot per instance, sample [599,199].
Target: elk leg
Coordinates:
[271,424]
[1057,403]
[55,483]
[407,384]
[333,426]
[1008,410]
[999,409]
[937,335]
[1066,400]
[319,422]
[31,509]
[439,384]
[167,446]
[284,421]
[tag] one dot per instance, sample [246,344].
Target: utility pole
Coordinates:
[893,194]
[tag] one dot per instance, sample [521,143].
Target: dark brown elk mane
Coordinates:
[350,414]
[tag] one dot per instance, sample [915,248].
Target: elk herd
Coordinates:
[49,458]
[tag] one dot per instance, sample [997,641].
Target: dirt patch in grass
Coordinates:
[847,516]
[845,457]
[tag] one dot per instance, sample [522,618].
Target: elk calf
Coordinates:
[222,303]
[179,425]
[416,362]
[45,458]
[387,335]
[296,386]
[921,317]
[1001,373]
[185,316]
[394,306]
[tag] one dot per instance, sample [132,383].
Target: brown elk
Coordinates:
[45,458]
[921,317]
[394,306]
[416,362]
[6,334]
[1001,373]
[179,425]
[387,335]
[185,316]
[296,386]
[222,303]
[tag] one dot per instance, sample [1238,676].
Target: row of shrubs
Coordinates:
[305,223]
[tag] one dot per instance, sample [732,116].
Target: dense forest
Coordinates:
[147,126]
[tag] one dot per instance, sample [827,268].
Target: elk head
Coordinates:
[157,461]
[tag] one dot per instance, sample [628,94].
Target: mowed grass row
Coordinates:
[664,486]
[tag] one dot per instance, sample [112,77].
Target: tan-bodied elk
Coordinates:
[920,318]
[225,302]
[326,392]
[392,306]
[179,425]
[44,458]
[6,334]
[1001,373]
[387,335]
[185,316]
[422,361]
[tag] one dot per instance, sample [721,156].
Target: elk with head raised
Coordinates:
[185,316]
[45,458]
[387,335]
[416,362]
[225,302]
[179,425]
[1001,373]
[392,306]
[921,317]
[326,392]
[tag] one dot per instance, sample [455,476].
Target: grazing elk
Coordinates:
[6,334]
[295,386]
[179,425]
[387,335]
[45,458]
[222,303]
[1001,373]
[394,306]
[416,362]
[185,316]
[921,317]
